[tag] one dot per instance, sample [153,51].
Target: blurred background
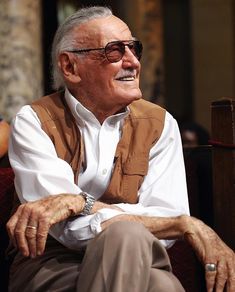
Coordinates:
[188,60]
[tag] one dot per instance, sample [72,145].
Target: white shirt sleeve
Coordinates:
[39,173]
[33,158]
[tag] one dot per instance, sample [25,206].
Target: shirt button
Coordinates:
[104,171]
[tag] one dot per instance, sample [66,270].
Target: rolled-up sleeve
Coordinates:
[39,173]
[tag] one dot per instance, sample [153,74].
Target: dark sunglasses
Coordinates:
[114,51]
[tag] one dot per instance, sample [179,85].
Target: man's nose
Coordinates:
[130,58]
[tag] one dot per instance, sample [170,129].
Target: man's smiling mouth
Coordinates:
[126,75]
[126,78]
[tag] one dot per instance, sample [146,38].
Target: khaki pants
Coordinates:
[125,257]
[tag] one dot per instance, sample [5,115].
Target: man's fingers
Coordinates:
[231,284]
[29,226]
[231,275]
[31,230]
[221,276]
[11,224]
[43,229]
[14,228]
[20,229]
[21,241]
[31,237]
[224,276]
[210,280]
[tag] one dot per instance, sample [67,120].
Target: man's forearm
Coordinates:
[100,205]
[162,228]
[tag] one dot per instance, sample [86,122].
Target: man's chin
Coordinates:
[128,101]
[137,95]
[128,96]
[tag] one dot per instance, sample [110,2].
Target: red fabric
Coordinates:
[6,201]
[6,193]
[186,267]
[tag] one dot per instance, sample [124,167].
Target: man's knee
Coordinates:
[131,229]
[163,281]
[123,235]
[129,236]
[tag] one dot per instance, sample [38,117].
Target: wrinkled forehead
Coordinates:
[100,31]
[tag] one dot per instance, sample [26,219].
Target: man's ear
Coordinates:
[69,67]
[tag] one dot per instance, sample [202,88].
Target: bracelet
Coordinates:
[89,202]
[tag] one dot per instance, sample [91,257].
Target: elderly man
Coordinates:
[102,171]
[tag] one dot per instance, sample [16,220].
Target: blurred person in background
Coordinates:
[4,136]
[193,134]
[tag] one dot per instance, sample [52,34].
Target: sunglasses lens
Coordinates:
[136,48]
[114,51]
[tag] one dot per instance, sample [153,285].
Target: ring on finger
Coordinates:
[210,267]
[31,227]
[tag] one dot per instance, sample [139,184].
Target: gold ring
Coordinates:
[31,227]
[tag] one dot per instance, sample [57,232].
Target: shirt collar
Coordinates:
[83,115]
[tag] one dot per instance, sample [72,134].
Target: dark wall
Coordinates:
[177,58]
[49,26]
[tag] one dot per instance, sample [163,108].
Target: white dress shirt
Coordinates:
[39,172]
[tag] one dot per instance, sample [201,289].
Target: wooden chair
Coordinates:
[185,264]
[210,174]
[223,141]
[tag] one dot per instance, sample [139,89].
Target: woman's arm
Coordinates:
[4,137]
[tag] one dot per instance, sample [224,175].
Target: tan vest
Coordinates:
[141,130]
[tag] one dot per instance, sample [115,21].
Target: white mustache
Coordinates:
[126,73]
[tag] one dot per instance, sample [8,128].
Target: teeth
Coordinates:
[127,78]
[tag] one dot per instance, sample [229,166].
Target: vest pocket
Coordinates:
[126,180]
[134,171]
[137,165]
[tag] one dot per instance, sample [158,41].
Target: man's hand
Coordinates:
[29,226]
[211,250]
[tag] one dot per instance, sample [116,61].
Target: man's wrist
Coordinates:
[89,202]
[186,226]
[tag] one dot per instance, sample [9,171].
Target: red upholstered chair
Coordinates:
[186,267]
[6,200]
[6,193]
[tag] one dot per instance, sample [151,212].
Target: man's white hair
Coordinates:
[64,38]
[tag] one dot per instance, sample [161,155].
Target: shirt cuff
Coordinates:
[101,216]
